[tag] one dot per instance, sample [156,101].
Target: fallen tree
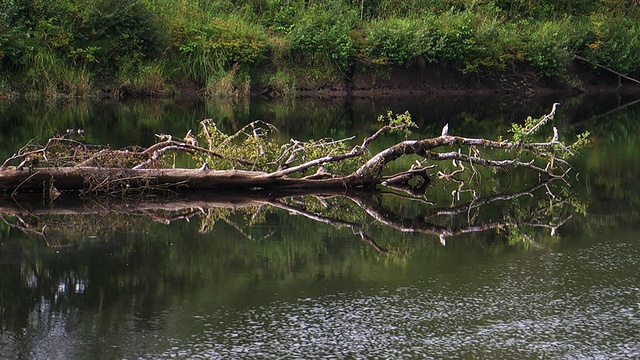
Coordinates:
[252,159]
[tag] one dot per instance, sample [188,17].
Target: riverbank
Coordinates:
[432,80]
[439,80]
[155,49]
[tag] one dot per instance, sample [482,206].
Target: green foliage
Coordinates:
[582,142]
[614,42]
[70,45]
[15,35]
[251,148]
[548,46]
[209,49]
[496,43]
[547,8]
[444,37]
[147,79]
[237,39]
[319,33]
[399,123]
[282,82]
[59,44]
[519,130]
[254,147]
[397,40]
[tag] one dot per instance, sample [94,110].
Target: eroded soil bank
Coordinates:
[439,80]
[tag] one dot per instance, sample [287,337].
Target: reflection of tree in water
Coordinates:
[133,263]
[67,223]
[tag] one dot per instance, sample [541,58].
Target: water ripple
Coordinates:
[543,308]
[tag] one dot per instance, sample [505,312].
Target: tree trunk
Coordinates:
[84,178]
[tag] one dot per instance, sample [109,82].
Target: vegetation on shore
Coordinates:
[226,48]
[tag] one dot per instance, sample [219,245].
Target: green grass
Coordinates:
[144,46]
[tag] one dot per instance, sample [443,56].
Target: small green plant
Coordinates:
[399,123]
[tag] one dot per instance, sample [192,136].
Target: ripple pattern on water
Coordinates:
[538,309]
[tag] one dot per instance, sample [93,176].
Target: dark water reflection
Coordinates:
[118,286]
[510,310]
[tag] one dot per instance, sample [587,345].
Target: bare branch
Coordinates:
[540,123]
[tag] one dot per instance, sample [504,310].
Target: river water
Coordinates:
[322,276]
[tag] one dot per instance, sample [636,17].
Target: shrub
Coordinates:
[456,31]
[58,44]
[319,33]
[121,33]
[548,46]
[215,46]
[496,44]
[445,37]
[614,42]
[399,40]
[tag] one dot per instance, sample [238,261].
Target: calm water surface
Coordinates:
[265,282]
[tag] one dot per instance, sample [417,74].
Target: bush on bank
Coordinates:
[144,47]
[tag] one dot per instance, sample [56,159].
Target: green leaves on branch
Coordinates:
[520,130]
[399,123]
[554,147]
[255,147]
[582,142]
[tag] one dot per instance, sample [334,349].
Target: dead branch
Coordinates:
[606,68]
[72,165]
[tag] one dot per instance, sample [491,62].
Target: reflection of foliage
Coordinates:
[612,168]
[542,206]
[75,229]
[113,253]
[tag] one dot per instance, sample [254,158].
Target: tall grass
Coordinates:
[53,77]
[147,80]
[223,46]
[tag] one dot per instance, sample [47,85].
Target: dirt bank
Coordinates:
[437,80]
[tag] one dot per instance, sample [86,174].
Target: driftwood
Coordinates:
[64,164]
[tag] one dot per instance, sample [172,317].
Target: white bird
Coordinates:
[445,130]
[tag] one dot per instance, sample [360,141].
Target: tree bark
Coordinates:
[76,178]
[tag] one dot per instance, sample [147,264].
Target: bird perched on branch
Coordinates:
[445,130]
[190,139]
